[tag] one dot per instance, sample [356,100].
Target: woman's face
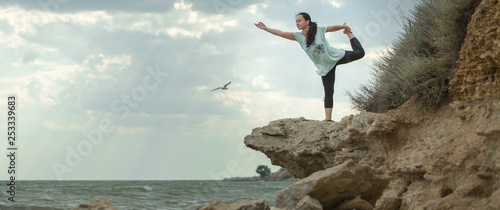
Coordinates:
[301,22]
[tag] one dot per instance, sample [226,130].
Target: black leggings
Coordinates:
[329,79]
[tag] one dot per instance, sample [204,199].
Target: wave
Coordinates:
[171,195]
[46,197]
[5,206]
[147,188]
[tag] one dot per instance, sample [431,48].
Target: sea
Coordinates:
[171,195]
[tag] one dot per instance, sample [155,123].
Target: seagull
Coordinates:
[222,88]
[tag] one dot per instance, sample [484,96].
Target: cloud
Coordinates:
[129,130]
[131,6]
[34,26]
[56,127]
[335,4]
[222,6]
[71,6]
[40,87]
[102,72]
[209,49]
[30,56]
[259,82]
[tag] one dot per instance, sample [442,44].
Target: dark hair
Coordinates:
[311,34]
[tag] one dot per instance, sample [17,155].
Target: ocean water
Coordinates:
[169,195]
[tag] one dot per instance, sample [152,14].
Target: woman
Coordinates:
[325,57]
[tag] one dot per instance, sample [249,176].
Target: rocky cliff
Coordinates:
[478,74]
[448,158]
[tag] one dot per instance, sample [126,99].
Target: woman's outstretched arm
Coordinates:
[286,35]
[338,27]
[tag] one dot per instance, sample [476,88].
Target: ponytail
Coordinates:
[313,28]
[311,34]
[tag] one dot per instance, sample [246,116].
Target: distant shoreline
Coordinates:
[280,175]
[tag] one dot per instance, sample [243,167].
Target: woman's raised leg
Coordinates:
[357,50]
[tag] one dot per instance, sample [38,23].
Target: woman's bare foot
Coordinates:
[349,34]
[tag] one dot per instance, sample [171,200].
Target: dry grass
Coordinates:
[422,59]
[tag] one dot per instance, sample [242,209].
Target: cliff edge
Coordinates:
[448,158]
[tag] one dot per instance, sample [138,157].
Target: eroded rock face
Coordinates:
[241,204]
[281,175]
[306,146]
[478,73]
[334,185]
[442,159]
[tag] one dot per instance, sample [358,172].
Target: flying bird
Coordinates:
[222,88]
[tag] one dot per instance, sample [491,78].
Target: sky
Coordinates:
[121,90]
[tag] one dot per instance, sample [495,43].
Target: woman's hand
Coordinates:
[286,35]
[261,25]
[347,29]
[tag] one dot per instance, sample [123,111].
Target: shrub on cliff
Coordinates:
[422,59]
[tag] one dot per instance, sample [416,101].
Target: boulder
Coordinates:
[306,146]
[334,185]
[308,203]
[356,203]
[100,204]
[241,204]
